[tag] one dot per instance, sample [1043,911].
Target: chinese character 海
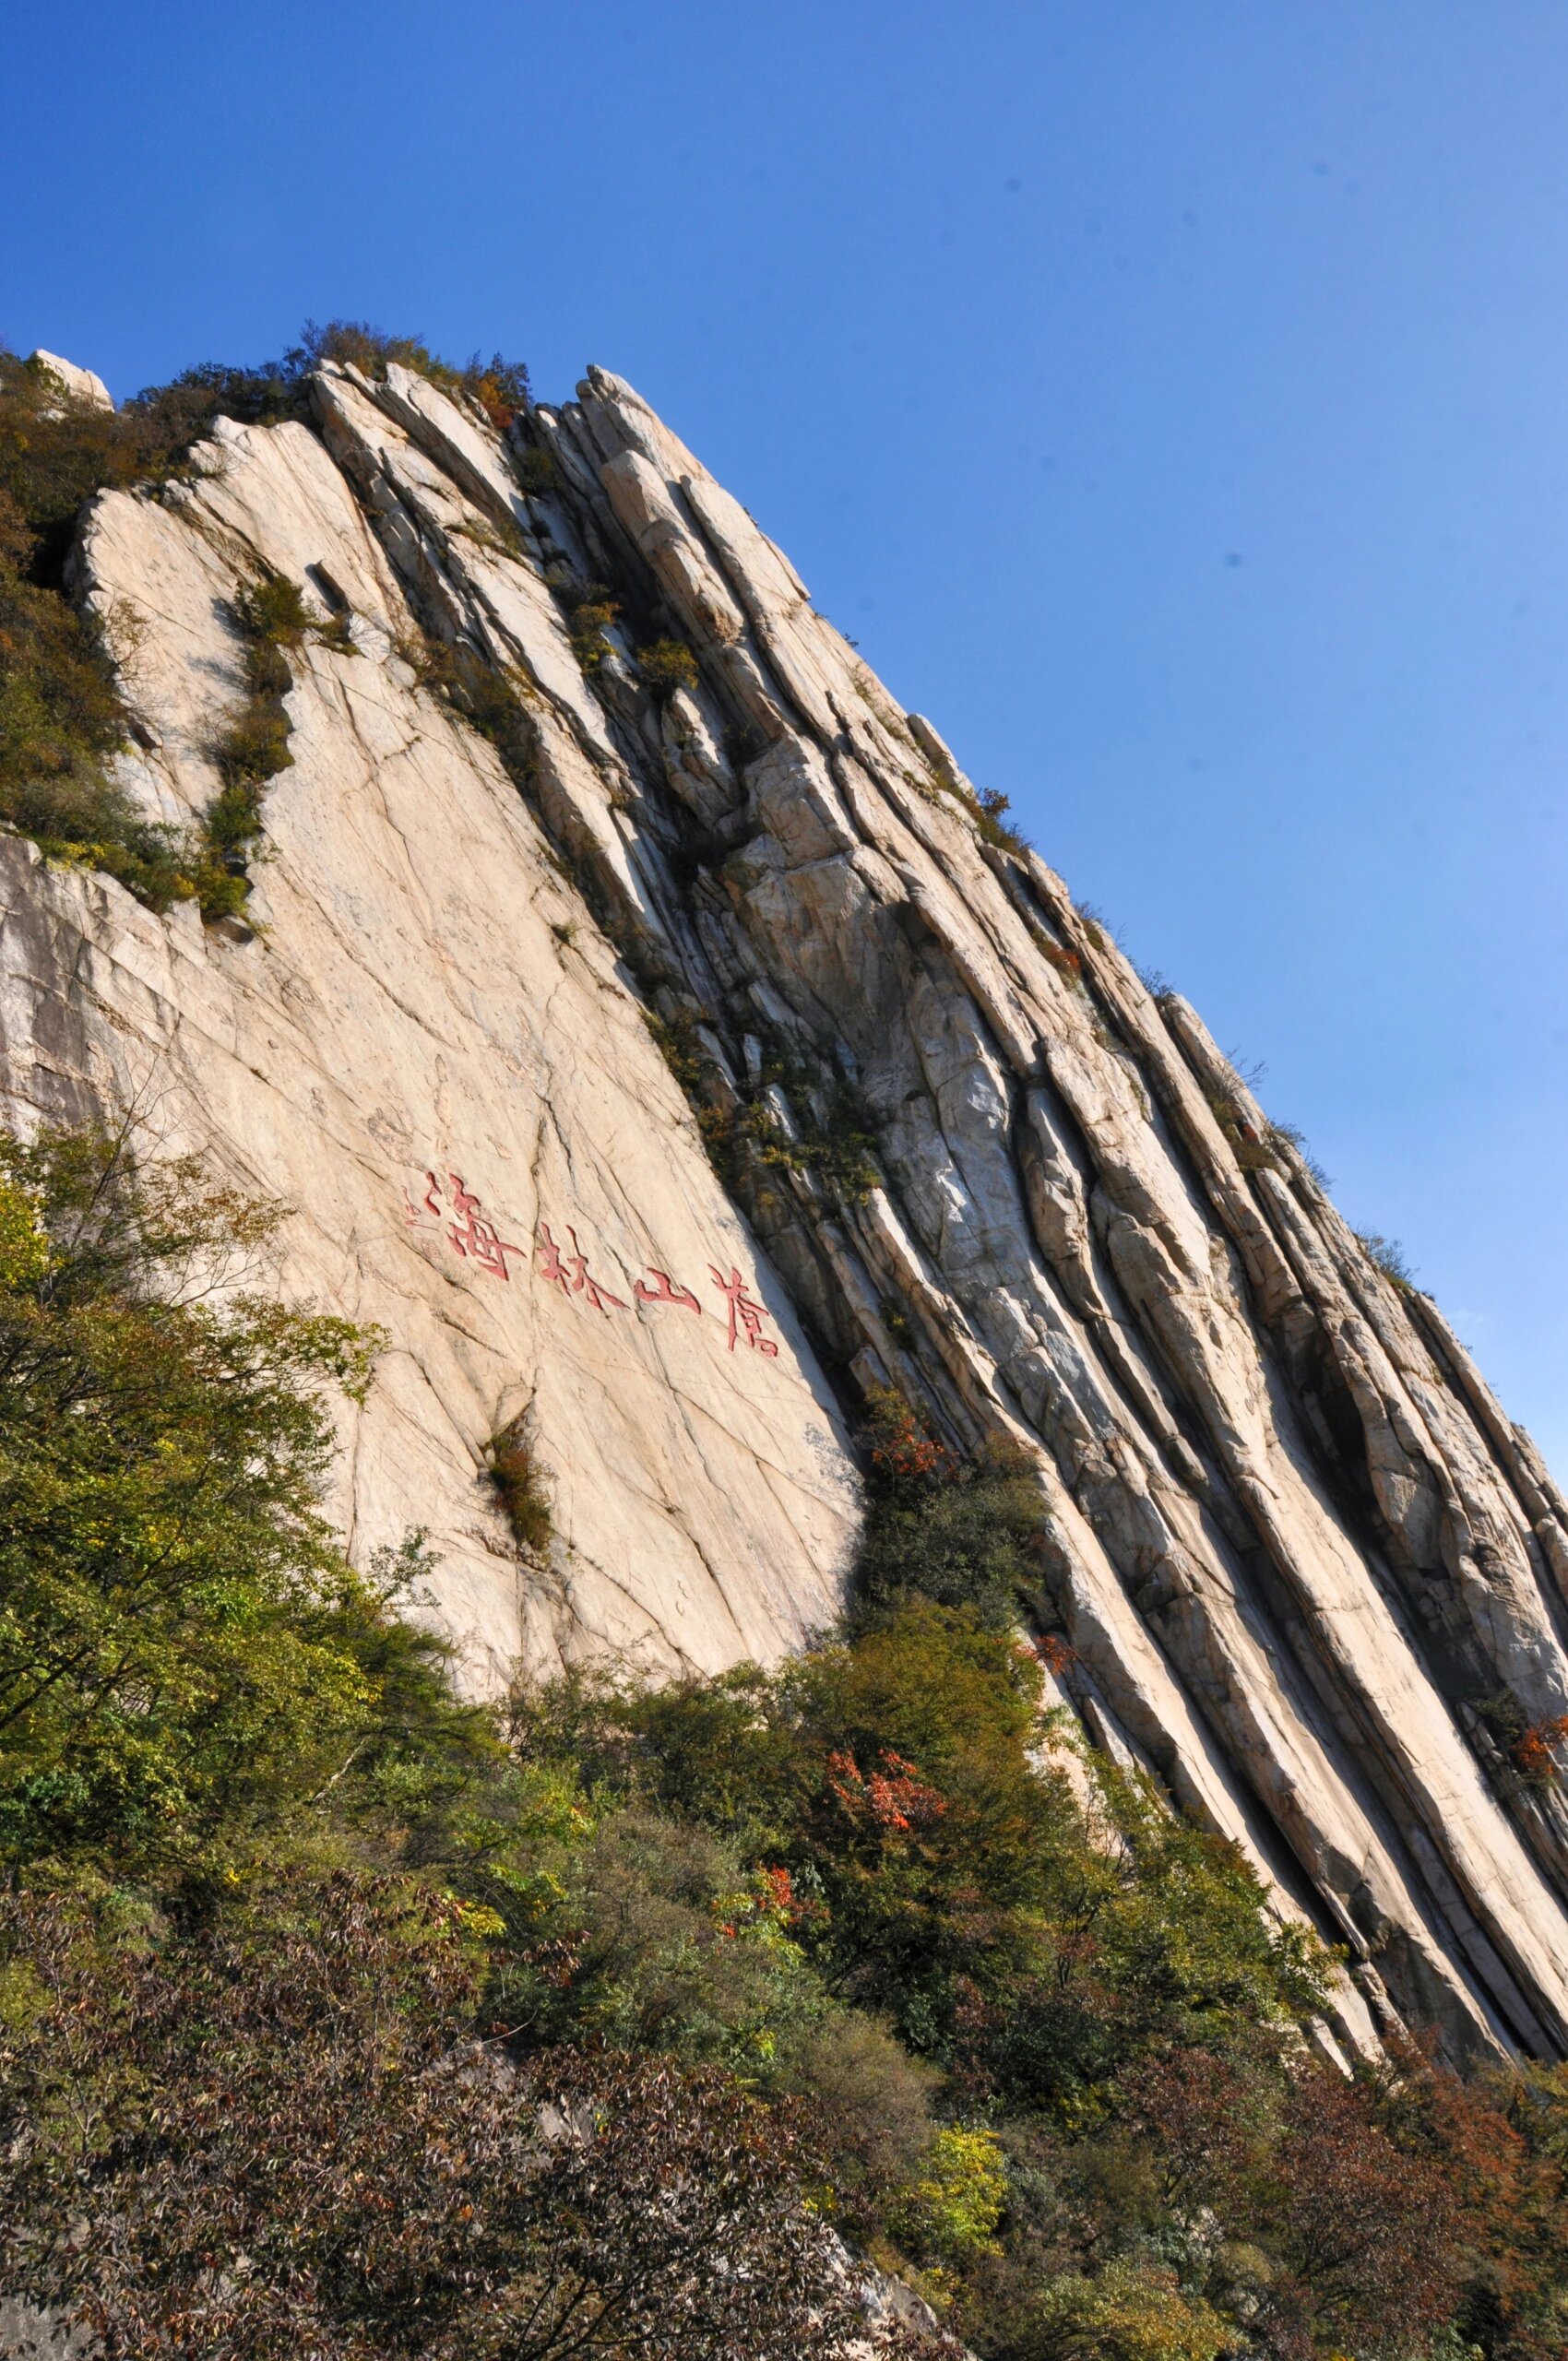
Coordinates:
[744,1314]
[571,1274]
[475,1237]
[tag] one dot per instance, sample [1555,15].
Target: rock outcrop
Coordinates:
[1304,1567]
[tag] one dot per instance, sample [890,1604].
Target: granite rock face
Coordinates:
[1306,1568]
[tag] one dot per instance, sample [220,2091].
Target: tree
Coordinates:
[184,1655]
[279,2135]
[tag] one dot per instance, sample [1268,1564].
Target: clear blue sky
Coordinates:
[1172,399]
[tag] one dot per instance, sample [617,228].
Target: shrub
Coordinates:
[989,808]
[963,1533]
[280,2134]
[1389,1257]
[667,665]
[590,621]
[1253,1150]
[516,1481]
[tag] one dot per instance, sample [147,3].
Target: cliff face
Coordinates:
[1306,1569]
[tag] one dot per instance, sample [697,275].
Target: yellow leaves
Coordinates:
[1131,2313]
[477,1918]
[953,2210]
[26,1256]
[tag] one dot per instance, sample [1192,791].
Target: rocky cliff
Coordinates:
[665,1048]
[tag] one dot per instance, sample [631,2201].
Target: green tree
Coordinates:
[186,1657]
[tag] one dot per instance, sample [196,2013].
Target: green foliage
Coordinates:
[952,2211]
[272,618]
[181,1644]
[963,1533]
[303,1955]
[667,665]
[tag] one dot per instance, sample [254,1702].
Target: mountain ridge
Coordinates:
[725,947]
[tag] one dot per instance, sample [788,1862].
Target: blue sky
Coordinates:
[1172,399]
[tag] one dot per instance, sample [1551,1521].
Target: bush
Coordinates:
[667,665]
[517,1484]
[961,1532]
[281,2134]
[589,618]
[1389,1257]
[183,1650]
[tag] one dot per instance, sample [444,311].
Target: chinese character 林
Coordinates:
[571,1274]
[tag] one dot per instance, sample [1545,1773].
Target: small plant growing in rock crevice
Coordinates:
[1250,1147]
[513,1476]
[1389,1257]
[590,620]
[986,809]
[667,665]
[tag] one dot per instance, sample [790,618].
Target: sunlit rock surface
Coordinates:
[1306,1568]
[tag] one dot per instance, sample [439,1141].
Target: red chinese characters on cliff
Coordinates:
[666,1290]
[746,1315]
[453,1207]
[469,1233]
[571,1273]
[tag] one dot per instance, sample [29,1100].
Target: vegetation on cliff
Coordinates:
[66,725]
[337,2014]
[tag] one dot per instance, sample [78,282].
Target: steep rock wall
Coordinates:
[1307,1569]
[429,1052]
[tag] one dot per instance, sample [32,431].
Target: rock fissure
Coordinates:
[1311,1572]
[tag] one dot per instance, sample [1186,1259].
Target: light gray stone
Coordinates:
[82,385]
[1299,1550]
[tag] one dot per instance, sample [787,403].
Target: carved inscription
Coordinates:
[453,1208]
[467,1232]
[571,1273]
[745,1316]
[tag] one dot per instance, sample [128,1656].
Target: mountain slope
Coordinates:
[935,1135]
